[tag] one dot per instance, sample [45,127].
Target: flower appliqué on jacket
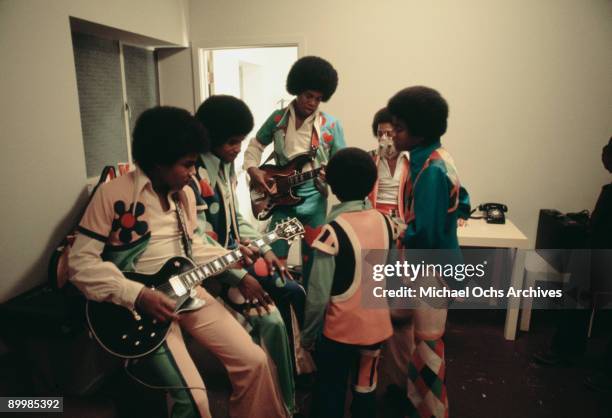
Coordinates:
[205,189]
[126,221]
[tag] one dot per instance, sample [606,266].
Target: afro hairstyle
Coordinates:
[223,117]
[312,73]
[351,174]
[382,116]
[163,135]
[422,109]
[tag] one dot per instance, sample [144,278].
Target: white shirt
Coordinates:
[166,237]
[297,141]
[388,185]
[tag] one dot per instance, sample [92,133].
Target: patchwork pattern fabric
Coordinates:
[427,397]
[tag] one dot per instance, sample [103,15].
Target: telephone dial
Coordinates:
[494,212]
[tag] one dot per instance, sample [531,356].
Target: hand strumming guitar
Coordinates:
[259,178]
[322,176]
[156,304]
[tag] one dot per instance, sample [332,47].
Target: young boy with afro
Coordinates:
[300,128]
[136,223]
[228,120]
[346,335]
[431,209]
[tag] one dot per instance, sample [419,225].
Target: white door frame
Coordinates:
[198,58]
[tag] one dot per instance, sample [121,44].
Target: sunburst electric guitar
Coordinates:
[285,178]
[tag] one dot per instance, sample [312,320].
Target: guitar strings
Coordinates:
[167,287]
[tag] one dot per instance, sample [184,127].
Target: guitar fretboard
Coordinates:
[303,177]
[184,282]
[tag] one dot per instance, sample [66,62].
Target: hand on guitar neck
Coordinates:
[260,179]
[162,308]
[322,176]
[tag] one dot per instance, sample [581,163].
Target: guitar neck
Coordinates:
[184,282]
[303,177]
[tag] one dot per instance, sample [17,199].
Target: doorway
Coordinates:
[257,76]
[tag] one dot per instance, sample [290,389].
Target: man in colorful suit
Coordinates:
[228,120]
[136,223]
[431,209]
[301,128]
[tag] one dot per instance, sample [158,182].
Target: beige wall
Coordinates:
[528,83]
[42,163]
[175,78]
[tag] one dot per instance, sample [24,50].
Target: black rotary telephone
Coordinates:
[494,212]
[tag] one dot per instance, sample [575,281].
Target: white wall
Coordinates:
[175,72]
[528,83]
[42,163]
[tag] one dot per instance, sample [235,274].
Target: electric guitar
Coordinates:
[285,178]
[130,334]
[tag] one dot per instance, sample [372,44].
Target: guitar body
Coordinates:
[129,333]
[263,203]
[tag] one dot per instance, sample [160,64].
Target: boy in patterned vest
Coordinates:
[228,120]
[347,336]
[431,203]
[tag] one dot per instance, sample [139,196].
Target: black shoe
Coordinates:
[550,358]
[599,382]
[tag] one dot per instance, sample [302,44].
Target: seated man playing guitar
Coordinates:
[135,223]
[300,128]
[228,120]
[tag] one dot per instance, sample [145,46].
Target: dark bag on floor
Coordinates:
[558,233]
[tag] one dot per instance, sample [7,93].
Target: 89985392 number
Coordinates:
[24,404]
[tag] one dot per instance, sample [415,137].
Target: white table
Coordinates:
[479,233]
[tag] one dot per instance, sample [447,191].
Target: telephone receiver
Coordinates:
[494,212]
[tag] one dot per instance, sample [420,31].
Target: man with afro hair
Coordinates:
[297,129]
[346,335]
[431,199]
[228,120]
[392,167]
[136,223]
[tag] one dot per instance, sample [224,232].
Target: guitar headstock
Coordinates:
[289,229]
